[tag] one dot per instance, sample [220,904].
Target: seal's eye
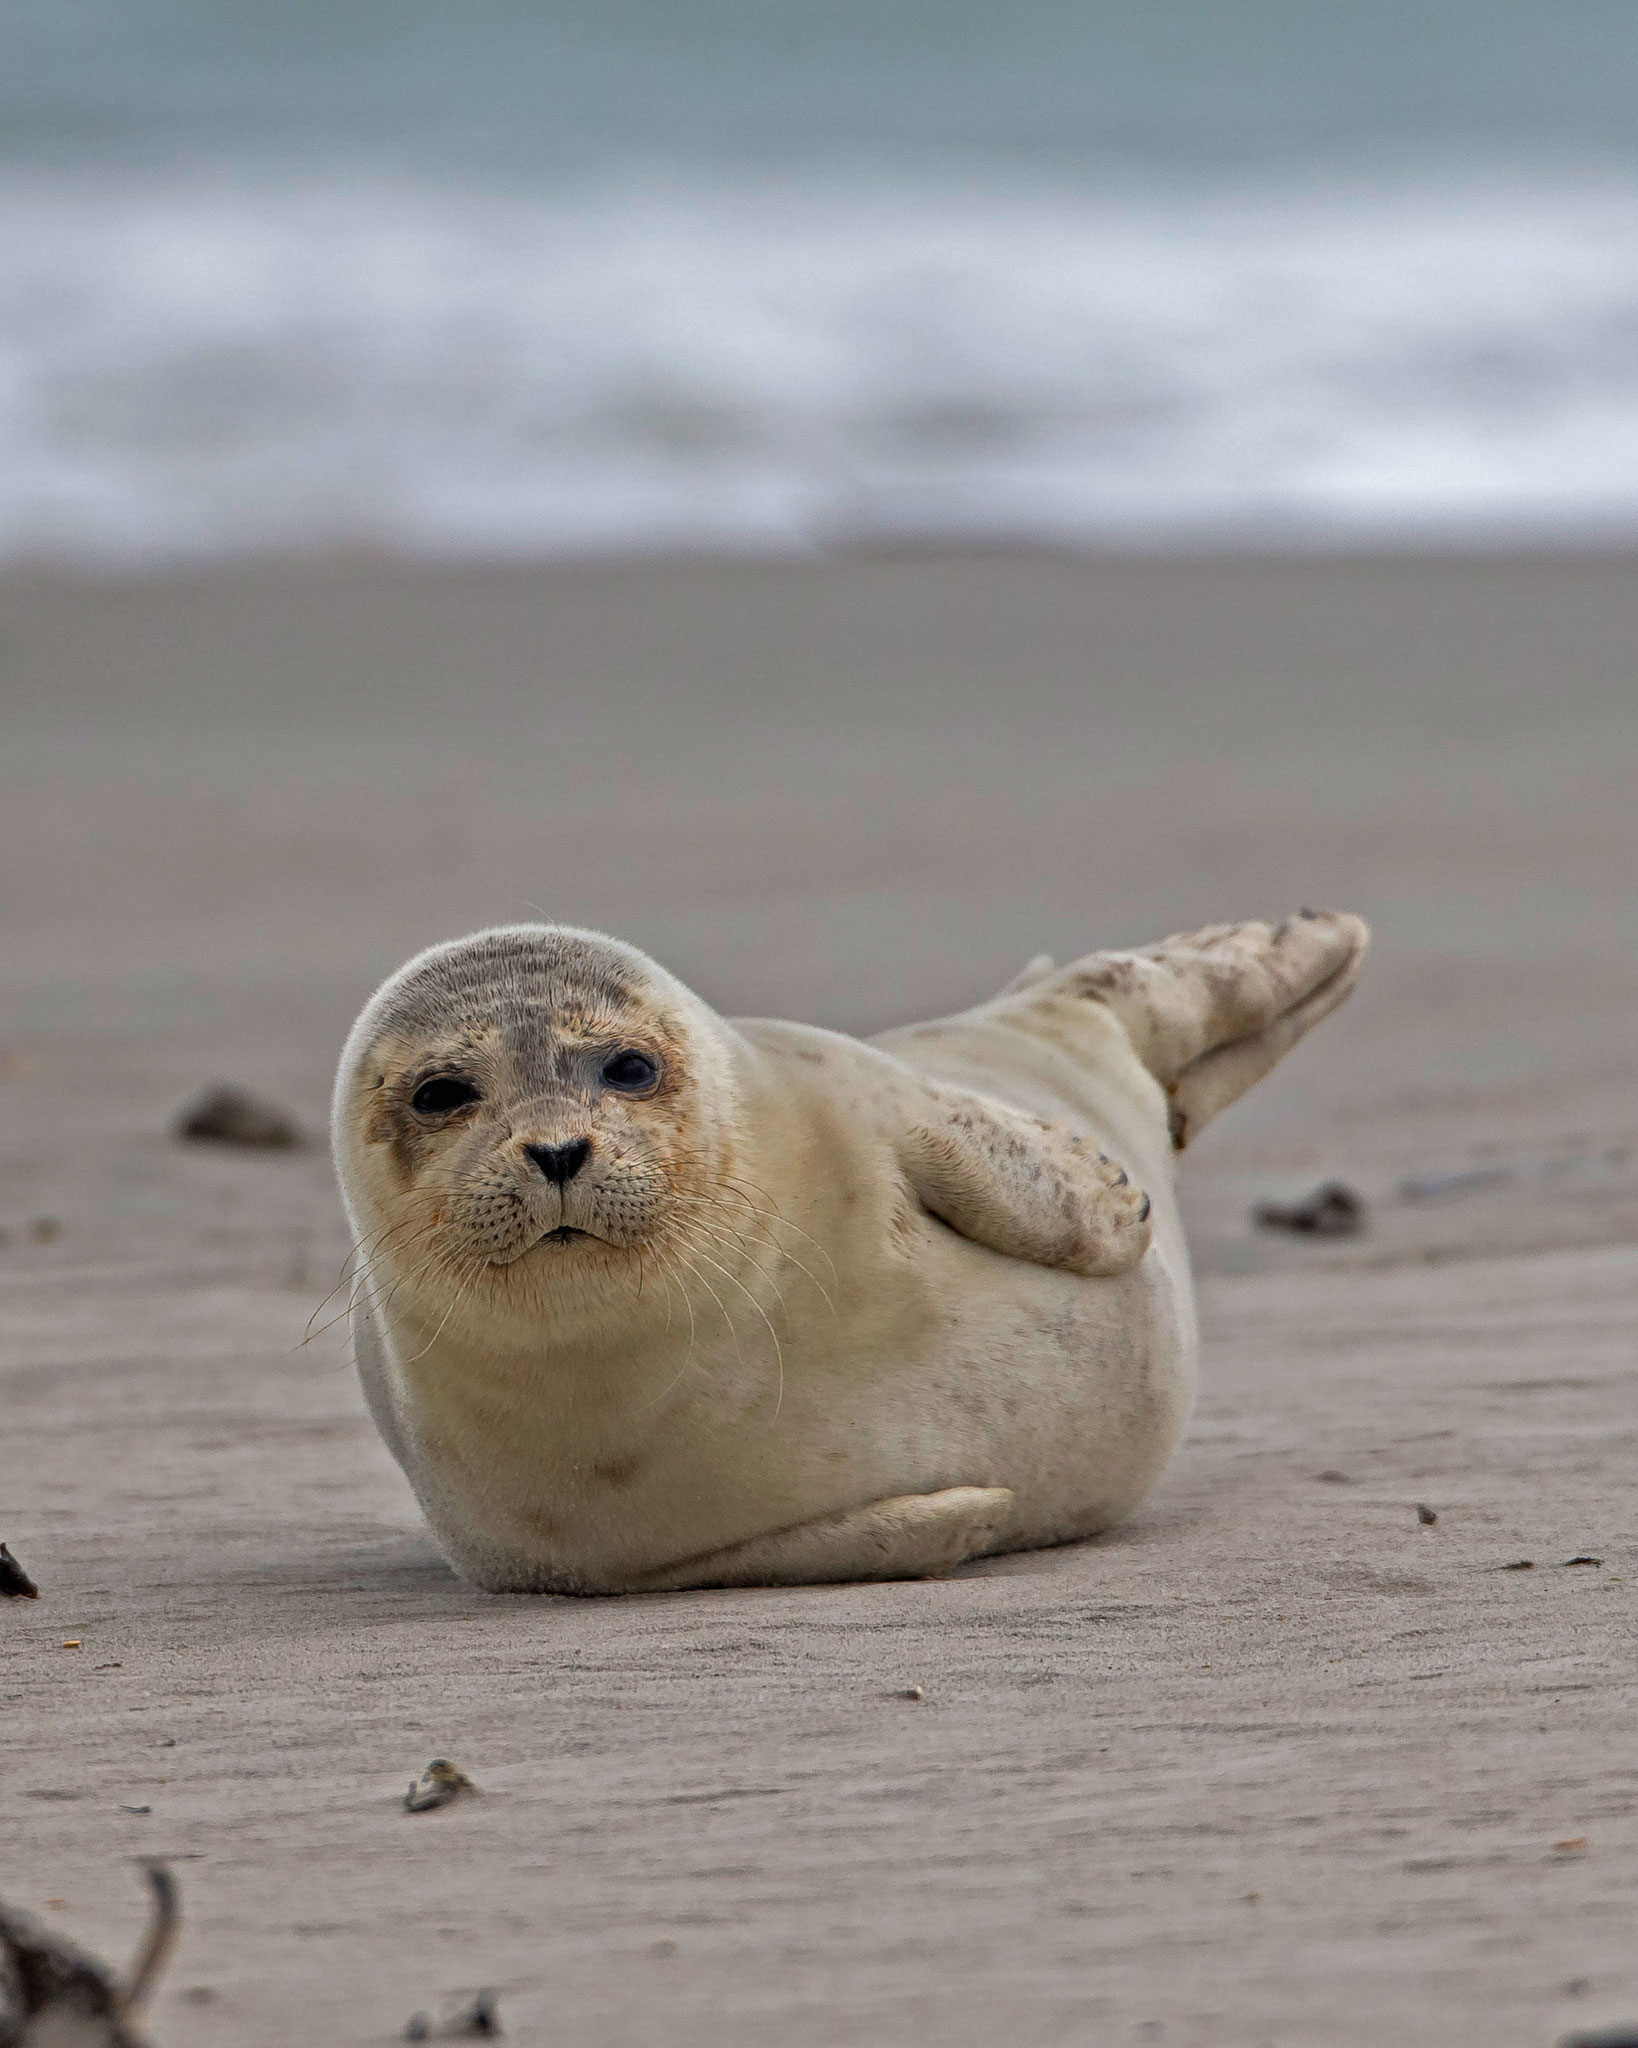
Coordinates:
[630,1071]
[440,1095]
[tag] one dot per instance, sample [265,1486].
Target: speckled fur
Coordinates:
[837,1309]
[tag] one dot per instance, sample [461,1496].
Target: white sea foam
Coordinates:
[189,371]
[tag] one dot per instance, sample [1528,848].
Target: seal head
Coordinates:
[534,1100]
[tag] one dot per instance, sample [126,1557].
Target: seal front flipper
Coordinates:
[1026,1189]
[913,1536]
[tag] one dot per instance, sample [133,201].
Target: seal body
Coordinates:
[648,1298]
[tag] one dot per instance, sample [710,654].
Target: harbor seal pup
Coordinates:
[650,1299]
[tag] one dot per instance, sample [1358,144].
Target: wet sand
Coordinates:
[1273,1763]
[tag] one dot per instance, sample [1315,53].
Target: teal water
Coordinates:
[1165,84]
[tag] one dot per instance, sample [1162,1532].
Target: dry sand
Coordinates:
[1275,1762]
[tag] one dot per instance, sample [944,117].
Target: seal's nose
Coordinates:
[560,1162]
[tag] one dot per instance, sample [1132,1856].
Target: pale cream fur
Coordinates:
[842,1309]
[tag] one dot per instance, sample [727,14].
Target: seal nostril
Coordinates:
[560,1163]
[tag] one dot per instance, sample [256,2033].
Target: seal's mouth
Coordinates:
[549,1241]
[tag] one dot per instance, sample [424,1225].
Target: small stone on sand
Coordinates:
[1332,1210]
[233,1116]
[478,2021]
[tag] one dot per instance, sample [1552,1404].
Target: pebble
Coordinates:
[479,2021]
[1332,1210]
[233,1116]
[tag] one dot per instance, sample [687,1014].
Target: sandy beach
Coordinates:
[1275,1763]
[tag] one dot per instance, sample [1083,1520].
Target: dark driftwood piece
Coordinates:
[51,1991]
[15,1583]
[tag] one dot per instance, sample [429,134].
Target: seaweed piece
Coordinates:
[437,1785]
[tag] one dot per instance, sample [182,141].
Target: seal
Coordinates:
[650,1299]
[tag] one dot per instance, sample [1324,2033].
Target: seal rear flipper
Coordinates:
[1210,1012]
[1293,976]
[1209,1084]
[912,1536]
[1038,969]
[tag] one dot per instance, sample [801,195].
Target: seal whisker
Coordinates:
[779,1349]
[730,1242]
[688,1356]
[366,1278]
[733,1328]
[357,1280]
[771,1244]
[723,1230]
[370,1237]
[780,1302]
[390,1237]
[436,1256]
[460,1295]
[774,1214]
[640,1274]
[764,1215]
[665,1281]
[638,1253]
[768,1244]
[668,1273]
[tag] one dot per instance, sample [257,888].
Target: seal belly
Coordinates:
[1071,1392]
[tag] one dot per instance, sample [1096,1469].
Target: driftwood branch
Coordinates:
[53,1995]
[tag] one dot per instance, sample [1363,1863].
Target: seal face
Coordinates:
[529,1099]
[649,1299]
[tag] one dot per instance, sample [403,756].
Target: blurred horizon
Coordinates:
[550,281]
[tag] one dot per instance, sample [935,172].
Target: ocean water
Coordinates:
[547,280]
